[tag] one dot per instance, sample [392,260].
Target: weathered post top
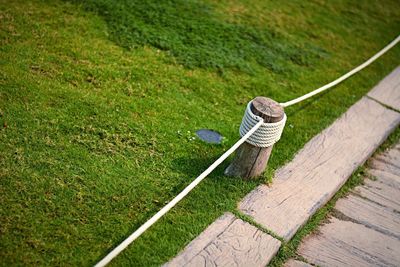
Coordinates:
[267,109]
[250,160]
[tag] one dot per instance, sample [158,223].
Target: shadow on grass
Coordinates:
[194,166]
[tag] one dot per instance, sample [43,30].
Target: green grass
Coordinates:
[192,32]
[288,249]
[97,122]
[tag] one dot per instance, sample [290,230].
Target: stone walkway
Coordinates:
[365,227]
[302,186]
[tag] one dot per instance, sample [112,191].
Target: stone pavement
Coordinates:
[365,227]
[302,186]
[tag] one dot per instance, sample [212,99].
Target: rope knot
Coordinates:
[266,135]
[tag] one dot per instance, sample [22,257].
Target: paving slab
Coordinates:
[228,241]
[380,193]
[385,177]
[296,263]
[344,243]
[391,157]
[389,163]
[366,228]
[388,90]
[370,214]
[320,168]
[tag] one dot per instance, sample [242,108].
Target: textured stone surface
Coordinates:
[388,162]
[320,168]
[229,241]
[370,214]
[344,243]
[295,263]
[380,193]
[388,90]
[366,230]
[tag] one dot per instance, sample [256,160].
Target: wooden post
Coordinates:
[250,161]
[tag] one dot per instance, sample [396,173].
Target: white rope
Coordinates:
[178,198]
[344,77]
[265,136]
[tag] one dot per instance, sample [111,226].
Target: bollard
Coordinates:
[250,161]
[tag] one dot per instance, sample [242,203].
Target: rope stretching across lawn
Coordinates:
[250,125]
[344,77]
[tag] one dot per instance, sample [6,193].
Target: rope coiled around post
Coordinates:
[265,136]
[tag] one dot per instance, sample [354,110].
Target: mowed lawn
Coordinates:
[99,102]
